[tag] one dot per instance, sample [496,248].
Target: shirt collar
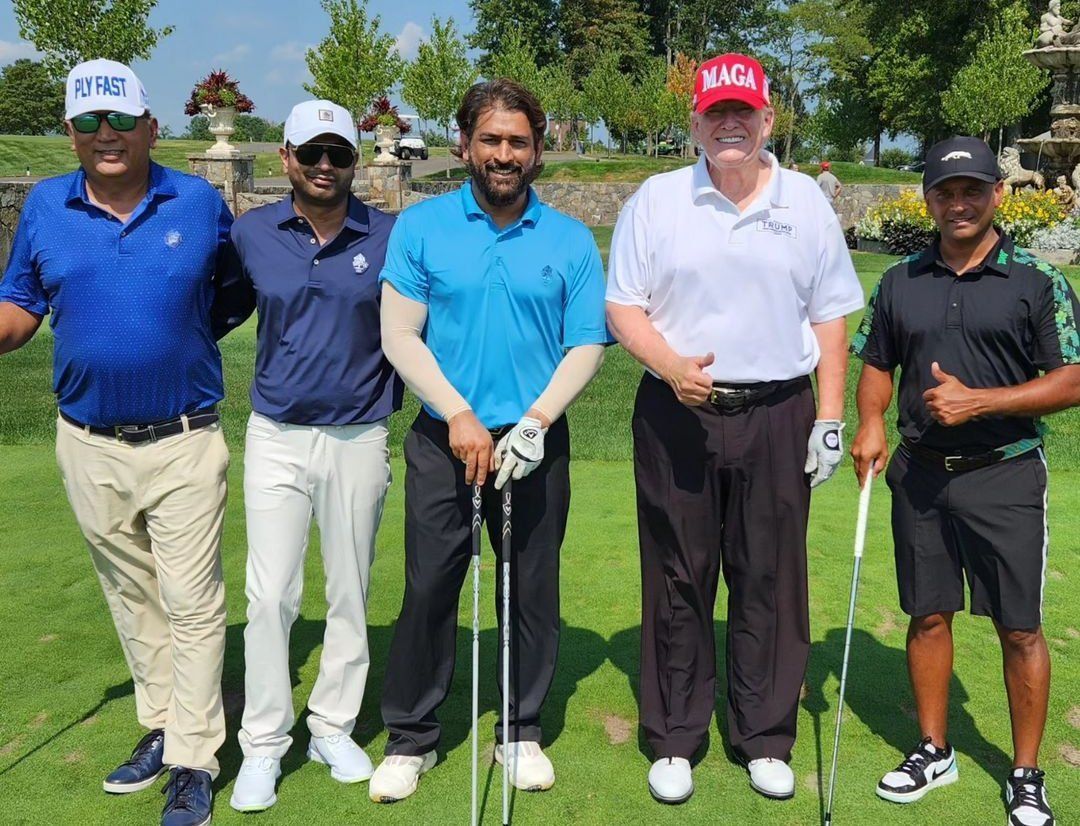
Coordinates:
[999,260]
[356,219]
[473,209]
[774,192]
[160,186]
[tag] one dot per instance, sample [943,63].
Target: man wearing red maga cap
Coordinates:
[729,281]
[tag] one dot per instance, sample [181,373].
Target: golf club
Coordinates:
[860,541]
[477,520]
[506,512]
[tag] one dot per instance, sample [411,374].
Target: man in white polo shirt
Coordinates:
[729,281]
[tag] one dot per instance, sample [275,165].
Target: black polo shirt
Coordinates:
[996,326]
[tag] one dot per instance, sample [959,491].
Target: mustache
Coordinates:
[498,167]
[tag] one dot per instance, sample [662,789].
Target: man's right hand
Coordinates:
[471,442]
[870,448]
[687,377]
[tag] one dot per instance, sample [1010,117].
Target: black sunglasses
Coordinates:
[310,154]
[91,122]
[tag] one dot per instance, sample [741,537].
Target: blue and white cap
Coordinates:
[312,118]
[104,86]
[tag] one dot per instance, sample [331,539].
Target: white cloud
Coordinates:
[10,52]
[408,40]
[233,55]
[292,50]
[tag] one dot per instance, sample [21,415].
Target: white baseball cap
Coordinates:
[312,118]
[104,86]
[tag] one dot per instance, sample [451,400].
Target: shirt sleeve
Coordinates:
[1056,340]
[629,275]
[234,292]
[22,284]
[584,319]
[403,266]
[837,291]
[873,340]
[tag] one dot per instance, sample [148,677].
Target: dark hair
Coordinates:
[500,93]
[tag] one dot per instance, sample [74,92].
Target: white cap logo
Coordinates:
[326,114]
[955,156]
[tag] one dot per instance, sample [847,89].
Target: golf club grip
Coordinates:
[477,518]
[477,521]
[864,512]
[507,511]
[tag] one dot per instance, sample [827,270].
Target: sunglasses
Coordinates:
[310,154]
[90,122]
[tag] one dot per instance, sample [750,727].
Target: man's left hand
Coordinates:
[951,402]
[824,450]
[520,451]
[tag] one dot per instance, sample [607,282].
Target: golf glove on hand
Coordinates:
[520,451]
[824,451]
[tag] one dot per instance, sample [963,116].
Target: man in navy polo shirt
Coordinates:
[316,441]
[123,254]
[493,313]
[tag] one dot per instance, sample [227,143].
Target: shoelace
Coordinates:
[181,789]
[143,746]
[1026,789]
[918,760]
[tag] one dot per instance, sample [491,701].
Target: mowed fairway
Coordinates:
[67,715]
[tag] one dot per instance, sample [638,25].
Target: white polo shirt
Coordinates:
[744,286]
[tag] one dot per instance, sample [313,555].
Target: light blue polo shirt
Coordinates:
[503,305]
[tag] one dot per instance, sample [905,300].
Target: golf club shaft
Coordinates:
[506,544]
[477,520]
[860,542]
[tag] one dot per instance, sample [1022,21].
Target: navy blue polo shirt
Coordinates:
[319,359]
[129,303]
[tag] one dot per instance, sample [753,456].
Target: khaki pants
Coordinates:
[152,516]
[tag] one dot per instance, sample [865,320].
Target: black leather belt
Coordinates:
[730,398]
[134,434]
[960,463]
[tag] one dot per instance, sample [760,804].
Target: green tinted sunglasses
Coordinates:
[91,122]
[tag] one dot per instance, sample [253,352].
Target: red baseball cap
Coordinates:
[730,77]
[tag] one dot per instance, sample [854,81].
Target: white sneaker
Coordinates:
[254,789]
[347,761]
[670,780]
[530,769]
[772,778]
[397,776]
[926,767]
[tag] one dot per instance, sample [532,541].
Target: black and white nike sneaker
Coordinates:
[925,768]
[1025,796]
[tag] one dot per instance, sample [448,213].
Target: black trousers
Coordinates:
[722,491]
[438,546]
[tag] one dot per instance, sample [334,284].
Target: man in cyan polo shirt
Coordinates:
[316,442]
[123,254]
[985,336]
[493,313]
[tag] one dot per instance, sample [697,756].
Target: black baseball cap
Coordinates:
[959,157]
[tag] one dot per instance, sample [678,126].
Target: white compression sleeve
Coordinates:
[402,322]
[575,371]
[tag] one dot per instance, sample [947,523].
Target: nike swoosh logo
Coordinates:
[938,774]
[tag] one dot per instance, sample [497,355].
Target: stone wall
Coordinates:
[855,199]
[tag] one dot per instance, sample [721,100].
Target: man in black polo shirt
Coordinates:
[986,341]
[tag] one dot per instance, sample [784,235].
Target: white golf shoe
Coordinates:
[347,761]
[670,780]
[398,775]
[772,778]
[530,769]
[254,789]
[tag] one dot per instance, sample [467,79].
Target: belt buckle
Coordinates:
[728,398]
[948,463]
[128,430]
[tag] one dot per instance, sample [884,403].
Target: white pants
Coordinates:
[340,474]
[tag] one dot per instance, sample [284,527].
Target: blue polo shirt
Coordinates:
[503,305]
[129,303]
[319,359]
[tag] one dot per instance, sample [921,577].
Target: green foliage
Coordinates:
[702,28]
[71,31]
[998,86]
[260,130]
[609,96]
[500,21]
[356,62]
[31,101]
[198,129]
[592,29]
[515,60]
[893,157]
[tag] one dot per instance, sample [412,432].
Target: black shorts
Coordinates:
[989,524]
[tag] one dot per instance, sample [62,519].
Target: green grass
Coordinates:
[68,714]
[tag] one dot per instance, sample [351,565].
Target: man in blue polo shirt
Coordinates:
[123,254]
[316,441]
[493,313]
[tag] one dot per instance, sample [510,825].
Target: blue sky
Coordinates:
[260,42]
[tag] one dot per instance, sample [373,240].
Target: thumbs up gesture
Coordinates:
[951,402]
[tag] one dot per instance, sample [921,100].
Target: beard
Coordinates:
[500,190]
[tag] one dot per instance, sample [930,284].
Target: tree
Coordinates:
[198,129]
[998,86]
[71,31]
[590,29]
[515,61]
[609,94]
[702,28]
[438,79]
[531,21]
[356,62]
[31,101]
[562,102]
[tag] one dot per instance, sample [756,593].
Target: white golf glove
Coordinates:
[520,451]
[824,450]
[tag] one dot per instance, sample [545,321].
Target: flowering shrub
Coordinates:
[1064,236]
[383,114]
[219,90]
[1029,210]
